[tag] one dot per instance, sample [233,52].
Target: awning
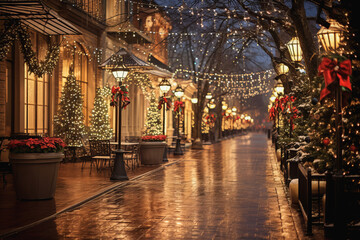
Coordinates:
[129,33]
[124,59]
[159,68]
[37,16]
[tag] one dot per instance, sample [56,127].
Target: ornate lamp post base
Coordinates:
[178,150]
[119,172]
[165,159]
[197,144]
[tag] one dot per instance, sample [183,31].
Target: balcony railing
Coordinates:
[93,8]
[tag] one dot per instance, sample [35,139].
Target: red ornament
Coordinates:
[353,148]
[326,141]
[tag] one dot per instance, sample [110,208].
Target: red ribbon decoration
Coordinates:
[332,69]
[178,106]
[162,101]
[116,91]
[272,113]
[210,119]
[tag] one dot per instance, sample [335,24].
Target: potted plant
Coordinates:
[35,163]
[152,149]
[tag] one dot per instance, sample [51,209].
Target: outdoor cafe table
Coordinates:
[124,144]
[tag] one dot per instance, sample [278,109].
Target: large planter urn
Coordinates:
[152,153]
[35,174]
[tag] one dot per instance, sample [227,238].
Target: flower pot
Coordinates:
[35,174]
[152,153]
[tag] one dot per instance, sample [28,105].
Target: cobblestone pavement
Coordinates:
[229,190]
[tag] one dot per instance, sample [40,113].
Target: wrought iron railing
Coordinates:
[93,8]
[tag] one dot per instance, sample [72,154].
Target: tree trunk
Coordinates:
[307,44]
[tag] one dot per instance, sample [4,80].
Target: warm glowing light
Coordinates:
[120,74]
[272,98]
[279,88]
[194,100]
[330,38]
[295,50]
[282,68]
[164,85]
[179,92]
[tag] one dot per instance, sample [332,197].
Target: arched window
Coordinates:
[77,55]
[37,92]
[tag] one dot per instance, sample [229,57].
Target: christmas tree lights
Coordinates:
[69,120]
[153,119]
[100,123]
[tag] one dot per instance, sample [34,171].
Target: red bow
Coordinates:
[272,115]
[118,91]
[332,69]
[178,106]
[162,101]
[210,119]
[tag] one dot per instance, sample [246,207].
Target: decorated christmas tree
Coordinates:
[69,120]
[100,123]
[153,123]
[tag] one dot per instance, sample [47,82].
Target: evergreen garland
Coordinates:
[14,30]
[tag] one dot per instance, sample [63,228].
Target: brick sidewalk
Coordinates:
[230,190]
[74,186]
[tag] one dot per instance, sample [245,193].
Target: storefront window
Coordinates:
[37,93]
[76,55]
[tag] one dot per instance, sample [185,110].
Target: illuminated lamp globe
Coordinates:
[194,100]
[282,69]
[279,88]
[212,105]
[330,38]
[208,96]
[233,113]
[234,109]
[164,86]
[272,98]
[224,106]
[120,73]
[295,50]
[179,91]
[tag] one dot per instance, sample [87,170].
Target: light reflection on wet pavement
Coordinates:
[226,191]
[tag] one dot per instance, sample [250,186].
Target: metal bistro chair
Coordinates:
[100,153]
[132,154]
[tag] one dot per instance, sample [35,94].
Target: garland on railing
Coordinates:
[164,100]
[116,92]
[14,30]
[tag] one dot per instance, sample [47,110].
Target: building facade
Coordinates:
[88,32]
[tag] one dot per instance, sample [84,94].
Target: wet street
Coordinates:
[229,190]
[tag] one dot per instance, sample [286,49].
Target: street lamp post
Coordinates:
[330,39]
[211,105]
[179,92]
[164,88]
[233,112]
[119,172]
[223,107]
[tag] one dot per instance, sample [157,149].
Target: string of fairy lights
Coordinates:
[247,84]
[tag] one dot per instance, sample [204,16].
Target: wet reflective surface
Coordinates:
[229,190]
